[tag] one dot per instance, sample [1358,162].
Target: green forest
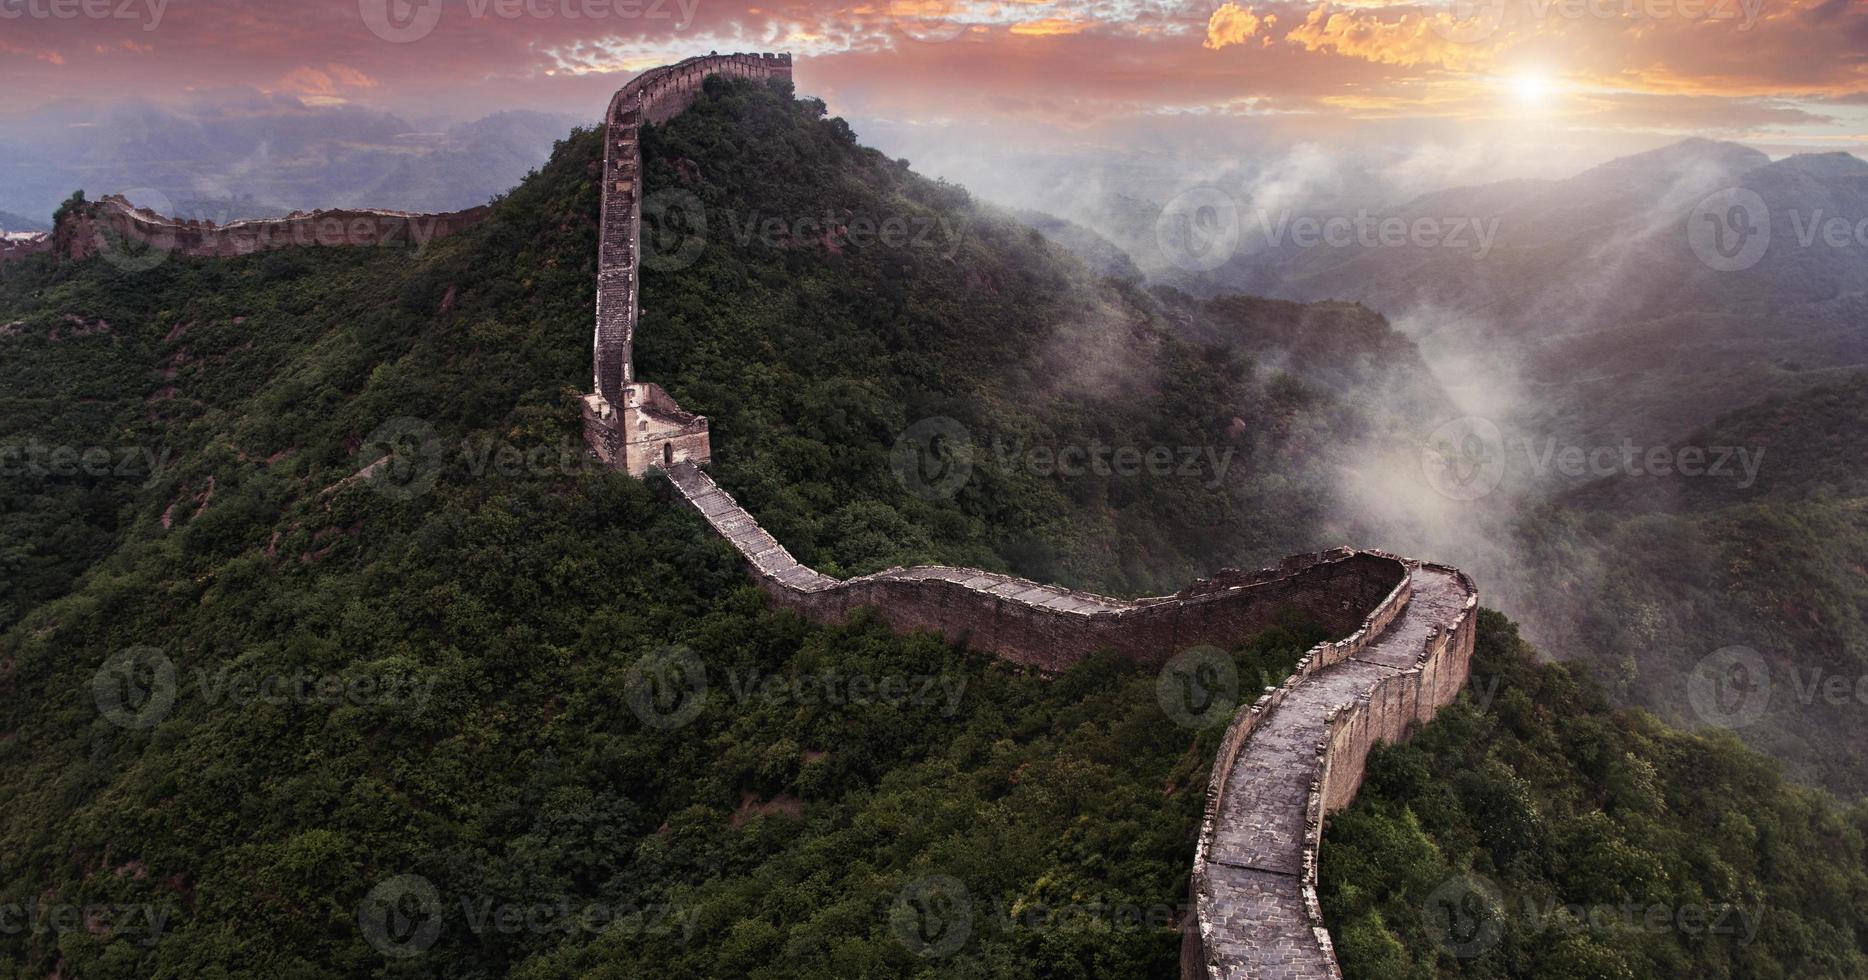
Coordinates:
[247,693]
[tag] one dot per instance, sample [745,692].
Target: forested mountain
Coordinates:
[479,618]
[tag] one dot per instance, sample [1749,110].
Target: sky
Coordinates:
[974,88]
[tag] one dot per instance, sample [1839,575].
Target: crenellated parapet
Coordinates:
[624,421]
[88,230]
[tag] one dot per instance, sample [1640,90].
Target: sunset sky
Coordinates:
[1539,84]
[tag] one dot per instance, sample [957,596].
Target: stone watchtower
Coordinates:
[634,425]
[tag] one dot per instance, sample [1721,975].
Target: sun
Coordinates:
[1531,87]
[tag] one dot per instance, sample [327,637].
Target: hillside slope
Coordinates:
[253,688]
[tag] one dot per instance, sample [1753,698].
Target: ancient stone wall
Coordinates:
[654,96]
[85,229]
[629,425]
[13,249]
[1298,755]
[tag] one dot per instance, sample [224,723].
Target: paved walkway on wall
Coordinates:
[1255,864]
[733,523]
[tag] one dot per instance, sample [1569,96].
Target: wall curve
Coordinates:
[1286,761]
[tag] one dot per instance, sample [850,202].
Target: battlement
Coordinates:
[631,426]
[87,231]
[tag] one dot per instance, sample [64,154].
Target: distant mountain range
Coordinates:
[1585,297]
[266,159]
[10,222]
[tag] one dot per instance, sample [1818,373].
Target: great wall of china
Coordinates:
[1286,761]
[97,227]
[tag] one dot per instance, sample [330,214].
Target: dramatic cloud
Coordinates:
[1231,24]
[1084,77]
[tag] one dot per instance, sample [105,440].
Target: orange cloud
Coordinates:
[1049,27]
[1408,42]
[1233,24]
[324,86]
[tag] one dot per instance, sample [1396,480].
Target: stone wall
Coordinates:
[655,96]
[1304,745]
[1012,619]
[13,249]
[631,426]
[84,230]
[1285,762]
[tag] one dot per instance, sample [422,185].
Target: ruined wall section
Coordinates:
[82,232]
[14,249]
